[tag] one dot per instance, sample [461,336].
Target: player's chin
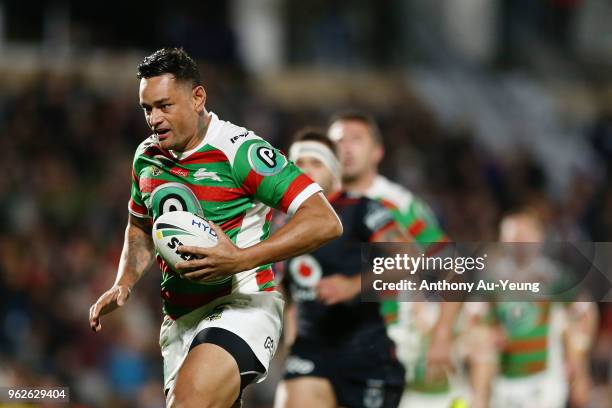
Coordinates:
[166,143]
[350,175]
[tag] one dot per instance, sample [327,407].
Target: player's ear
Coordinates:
[379,153]
[198,95]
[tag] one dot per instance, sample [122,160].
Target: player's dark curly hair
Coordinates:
[173,61]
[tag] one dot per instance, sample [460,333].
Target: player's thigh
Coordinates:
[209,377]
[305,392]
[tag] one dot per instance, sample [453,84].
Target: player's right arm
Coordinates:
[375,223]
[136,257]
[265,174]
[137,253]
[579,336]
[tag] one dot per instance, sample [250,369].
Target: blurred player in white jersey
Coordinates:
[532,353]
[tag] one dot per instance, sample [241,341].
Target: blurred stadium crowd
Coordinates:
[66,149]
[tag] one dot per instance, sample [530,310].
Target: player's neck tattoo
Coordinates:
[201,134]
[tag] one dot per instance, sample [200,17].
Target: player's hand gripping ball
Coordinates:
[176,228]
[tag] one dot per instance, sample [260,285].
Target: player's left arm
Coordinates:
[375,224]
[265,173]
[313,224]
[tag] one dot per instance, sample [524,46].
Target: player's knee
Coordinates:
[193,394]
[193,403]
[190,397]
[304,393]
[177,399]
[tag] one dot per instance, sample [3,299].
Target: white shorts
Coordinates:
[412,399]
[255,317]
[544,390]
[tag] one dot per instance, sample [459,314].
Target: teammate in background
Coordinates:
[360,150]
[342,355]
[530,354]
[427,385]
[216,338]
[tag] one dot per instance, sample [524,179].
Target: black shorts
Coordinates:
[368,377]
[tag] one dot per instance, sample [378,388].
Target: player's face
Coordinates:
[316,170]
[359,154]
[521,228]
[172,110]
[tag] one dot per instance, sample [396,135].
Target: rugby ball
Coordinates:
[176,228]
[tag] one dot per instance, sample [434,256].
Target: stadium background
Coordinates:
[483,104]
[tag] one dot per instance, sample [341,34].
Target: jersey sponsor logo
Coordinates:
[174,197]
[177,171]
[266,160]
[233,139]
[305,272]
[297,365]
[203,174]
[155,171]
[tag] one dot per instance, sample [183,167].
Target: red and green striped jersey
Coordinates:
[413,216]
[527,328]
[528,325]
[411,213]
[233,177]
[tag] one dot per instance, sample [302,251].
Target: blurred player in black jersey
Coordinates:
[341,355]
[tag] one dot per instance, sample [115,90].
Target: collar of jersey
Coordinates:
[212,129]
[376,186]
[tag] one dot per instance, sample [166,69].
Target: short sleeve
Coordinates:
[421,223]
[136,205]
[265,173]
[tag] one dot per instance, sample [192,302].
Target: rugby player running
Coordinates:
[222,314]
[342,355]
